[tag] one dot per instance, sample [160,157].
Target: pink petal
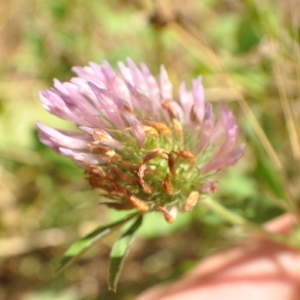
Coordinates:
[59,138]
[57,106]
[230,138]
[207,126]
[137,128]
[186,101]
[229,160]
[138,79]
[109,74]
[81,158]
[165,84]
[109,107]
[153,89]
[76,102]
[125,71]
[199,99]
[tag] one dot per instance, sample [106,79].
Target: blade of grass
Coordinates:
[119,253]
[84,244]
[277,34]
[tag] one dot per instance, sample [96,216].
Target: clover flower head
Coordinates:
[139,147]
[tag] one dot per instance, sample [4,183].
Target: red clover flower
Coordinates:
[140,148]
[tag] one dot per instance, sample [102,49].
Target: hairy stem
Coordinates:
[235,219]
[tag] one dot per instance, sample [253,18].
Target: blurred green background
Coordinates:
[248,54]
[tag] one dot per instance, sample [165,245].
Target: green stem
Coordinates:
[235,219]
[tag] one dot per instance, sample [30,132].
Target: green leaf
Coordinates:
[248,34]
[81,246]
[118,254]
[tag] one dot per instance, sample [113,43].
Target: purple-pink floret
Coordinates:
[129,126]
[102,99]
